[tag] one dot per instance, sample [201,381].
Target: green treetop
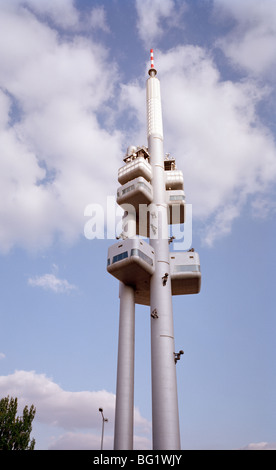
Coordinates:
[15,431]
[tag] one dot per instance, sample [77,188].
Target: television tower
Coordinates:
[152,196]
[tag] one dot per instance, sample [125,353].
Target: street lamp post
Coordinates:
[103,421]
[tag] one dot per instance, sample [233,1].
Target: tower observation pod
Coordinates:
[152,195]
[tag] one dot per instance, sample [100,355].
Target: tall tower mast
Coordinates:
[152,196]
[165,420]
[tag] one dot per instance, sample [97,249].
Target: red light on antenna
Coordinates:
[151,59]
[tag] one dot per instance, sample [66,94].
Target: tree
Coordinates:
[14,430]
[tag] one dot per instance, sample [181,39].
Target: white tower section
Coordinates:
[165,417]
[154,109]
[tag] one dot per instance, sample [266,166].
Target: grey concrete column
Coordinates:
[123,433]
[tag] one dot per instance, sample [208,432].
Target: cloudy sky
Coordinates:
[72,99]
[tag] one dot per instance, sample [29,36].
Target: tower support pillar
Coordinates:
[165,415]
[123,433]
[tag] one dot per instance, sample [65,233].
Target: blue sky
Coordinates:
[72,98]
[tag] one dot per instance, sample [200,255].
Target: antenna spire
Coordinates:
[152,70]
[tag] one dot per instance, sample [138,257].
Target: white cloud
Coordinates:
[81,441]
[86,441]
[263,207]
[71,411]
[260,446]
[251,43]
[213,129]
[60,12]
[153,16]
[53,94]
[221,224]
[2,356]
[51,282]
[98,19]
